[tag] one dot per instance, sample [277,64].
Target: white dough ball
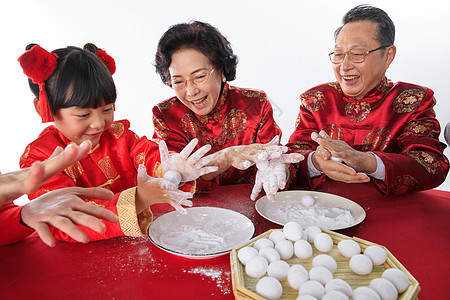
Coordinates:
[276,236]
[306,297]
[313,288]
[256,267]
[336,159]
[285,248]
[320,274]
[246,254]
[340,285]
[293,231]
[312,231]
[303,249]
[335,295]
[270,254]
[297,275]
[377,254]
[365,293]
[278,269]
[384,288]
[269,288]
[263,243]
[361,264]
[326,261]
[308,200]
[323,242]
[348,248]
[173,176]
[398,278]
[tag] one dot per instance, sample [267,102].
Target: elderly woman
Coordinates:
[197,62]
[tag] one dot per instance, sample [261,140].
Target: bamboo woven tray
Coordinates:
[244,286]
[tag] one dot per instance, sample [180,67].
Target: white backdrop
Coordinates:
[282,46]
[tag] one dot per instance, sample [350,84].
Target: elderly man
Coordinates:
[365,127]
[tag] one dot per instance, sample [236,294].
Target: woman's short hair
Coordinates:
[199,36]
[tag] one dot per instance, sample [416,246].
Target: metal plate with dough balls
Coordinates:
[329,211]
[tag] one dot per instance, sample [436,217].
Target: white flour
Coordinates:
[190,239]
[222,279]
[324,217]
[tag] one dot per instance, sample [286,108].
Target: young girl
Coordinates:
[74,88]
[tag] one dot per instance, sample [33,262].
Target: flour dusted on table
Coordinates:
[220,277]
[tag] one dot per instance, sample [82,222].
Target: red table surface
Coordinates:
[414,227]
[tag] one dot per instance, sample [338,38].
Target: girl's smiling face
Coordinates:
[188,64]
[80,124]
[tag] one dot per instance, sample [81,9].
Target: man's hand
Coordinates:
[352,170]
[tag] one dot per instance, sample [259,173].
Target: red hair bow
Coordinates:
[38,64]
[107,59]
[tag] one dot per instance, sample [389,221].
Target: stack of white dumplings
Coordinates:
[266,261]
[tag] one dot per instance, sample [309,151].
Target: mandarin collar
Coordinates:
[216,113]
[375,94]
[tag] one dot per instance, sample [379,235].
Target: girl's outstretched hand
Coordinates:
[152,190]
[190,166]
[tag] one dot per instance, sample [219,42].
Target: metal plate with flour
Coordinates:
[204,232]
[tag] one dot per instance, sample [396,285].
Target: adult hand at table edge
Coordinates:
[63,209]
[28,180]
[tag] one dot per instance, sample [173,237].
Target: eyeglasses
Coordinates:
[199,78]
[338,56]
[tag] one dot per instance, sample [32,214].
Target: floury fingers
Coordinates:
[271,175]
[190,166]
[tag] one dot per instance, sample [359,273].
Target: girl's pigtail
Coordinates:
[39,64]
[107,59]
[104,57]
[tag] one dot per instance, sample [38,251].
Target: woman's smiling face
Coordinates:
[188,64]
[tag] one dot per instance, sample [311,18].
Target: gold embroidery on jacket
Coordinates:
[140,158]
[25,154]
[95,204]
[108,170]
[126,211]
[107,167]
[109,182]
[74,171]
[94,148]
[117,129]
